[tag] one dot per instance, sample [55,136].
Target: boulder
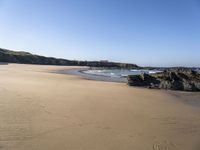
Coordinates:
[142,80]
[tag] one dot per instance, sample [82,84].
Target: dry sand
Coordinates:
[40,110]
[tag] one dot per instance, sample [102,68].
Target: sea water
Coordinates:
[118,73]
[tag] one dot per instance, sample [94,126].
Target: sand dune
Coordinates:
[40,110]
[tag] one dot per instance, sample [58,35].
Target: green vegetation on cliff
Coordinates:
[28,58]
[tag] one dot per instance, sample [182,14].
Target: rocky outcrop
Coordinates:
[175,79]
[142,80]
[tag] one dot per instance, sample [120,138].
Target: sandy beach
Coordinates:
[40,110]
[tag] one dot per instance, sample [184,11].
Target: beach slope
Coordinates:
[40,110]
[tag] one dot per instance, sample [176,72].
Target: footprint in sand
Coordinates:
[165,146]
[156,147]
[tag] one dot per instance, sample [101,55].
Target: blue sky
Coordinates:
[145,32]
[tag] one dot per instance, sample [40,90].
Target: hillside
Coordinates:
[28,58]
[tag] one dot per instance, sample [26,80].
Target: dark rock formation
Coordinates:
[142,80]
[175,79]
[28,58]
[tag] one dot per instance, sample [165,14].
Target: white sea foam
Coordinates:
[118,73]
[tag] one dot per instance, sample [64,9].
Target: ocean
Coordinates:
[111,75]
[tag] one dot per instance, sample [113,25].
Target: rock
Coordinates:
[142,80]
[173,79]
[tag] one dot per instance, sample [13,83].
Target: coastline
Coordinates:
[80,72]
[47,111]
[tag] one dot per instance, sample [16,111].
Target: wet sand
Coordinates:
[40,110]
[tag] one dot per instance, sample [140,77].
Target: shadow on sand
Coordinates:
[4,63]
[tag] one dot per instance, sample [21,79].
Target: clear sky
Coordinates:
[145,32]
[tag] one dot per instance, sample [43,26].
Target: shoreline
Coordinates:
[189,98]
[80,72]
